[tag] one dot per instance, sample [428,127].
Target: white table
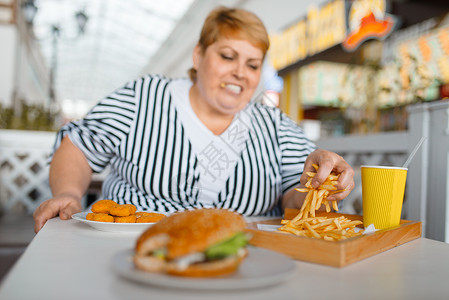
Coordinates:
[69,260]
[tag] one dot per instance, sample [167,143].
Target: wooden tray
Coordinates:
[336,254]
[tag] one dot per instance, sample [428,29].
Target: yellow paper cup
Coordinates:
[382,195]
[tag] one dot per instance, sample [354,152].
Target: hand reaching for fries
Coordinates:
[328,163]
[319,192]
[318,196]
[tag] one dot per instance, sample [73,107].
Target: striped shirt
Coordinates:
[162,158]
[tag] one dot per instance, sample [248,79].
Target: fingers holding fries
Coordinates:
[328,163]
[316,197]
[306,224]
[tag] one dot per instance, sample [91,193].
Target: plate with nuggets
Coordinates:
[107,215]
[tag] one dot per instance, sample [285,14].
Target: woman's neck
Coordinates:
[215,121]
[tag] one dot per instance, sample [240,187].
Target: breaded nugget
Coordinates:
[122,210]
[142,213]
[127,219]
[100,217]
[103,206]
[150,218]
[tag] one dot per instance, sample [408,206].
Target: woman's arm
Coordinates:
[70,176]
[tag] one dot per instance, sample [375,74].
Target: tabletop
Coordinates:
[70,260]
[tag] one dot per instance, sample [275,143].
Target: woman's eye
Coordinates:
[254,67]
[227,57]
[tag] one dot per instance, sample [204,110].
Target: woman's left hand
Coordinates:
[329,162]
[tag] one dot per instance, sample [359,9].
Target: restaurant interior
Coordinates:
[366,79]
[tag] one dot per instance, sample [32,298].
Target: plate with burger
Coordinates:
[201,249]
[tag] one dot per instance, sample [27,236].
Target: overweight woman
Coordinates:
[202,141]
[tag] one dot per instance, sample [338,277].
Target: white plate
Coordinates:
[112,227]
[260,268]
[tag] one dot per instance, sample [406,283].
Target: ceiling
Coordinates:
[119,38]
[125,38]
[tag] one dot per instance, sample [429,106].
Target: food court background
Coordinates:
[364,78]
[350,68]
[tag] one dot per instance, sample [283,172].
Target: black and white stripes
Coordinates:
[137,130]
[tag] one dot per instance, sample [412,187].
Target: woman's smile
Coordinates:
[233,88]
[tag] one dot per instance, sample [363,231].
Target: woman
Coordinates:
[180,144]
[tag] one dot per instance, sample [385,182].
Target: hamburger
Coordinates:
[196,243]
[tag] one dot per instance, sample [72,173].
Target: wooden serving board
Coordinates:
[336,254]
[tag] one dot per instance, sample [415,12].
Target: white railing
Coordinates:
[24,169]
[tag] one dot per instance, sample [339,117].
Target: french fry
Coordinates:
[311,174]
[328,208]
[335,205]
[314,233]
[307,224]
[313,205]
[320,196]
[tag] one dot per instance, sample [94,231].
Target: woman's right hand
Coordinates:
[69,179]
[63,205]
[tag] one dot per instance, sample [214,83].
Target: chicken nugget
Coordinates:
[100,217]
[122,210]
[142,214]
[90,216]
[103,206]
[150,218]
[127,219]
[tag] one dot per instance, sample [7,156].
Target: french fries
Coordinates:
[307,224]
[316,197]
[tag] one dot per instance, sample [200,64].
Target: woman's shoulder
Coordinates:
[147,79]
[153,78]
[272,115]
[259,109]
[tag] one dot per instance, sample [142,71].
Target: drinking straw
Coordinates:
[409,159]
